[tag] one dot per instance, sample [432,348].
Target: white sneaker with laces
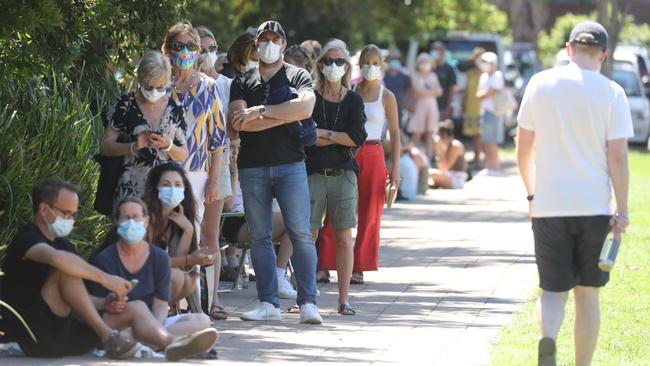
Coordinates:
[309,314]
[263,311]
[285,290]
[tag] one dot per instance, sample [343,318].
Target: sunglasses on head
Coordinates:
[337,61]
[209,49]
[179,46]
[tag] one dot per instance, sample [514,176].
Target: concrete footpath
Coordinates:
[454,267]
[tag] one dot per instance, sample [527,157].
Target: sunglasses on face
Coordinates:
[209,49]
[159,89]
[179,46]
[337,61]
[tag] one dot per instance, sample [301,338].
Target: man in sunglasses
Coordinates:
[44,282]
[272,164]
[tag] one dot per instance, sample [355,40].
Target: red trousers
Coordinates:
[372,197]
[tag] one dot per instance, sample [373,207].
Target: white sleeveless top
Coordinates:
[376,117]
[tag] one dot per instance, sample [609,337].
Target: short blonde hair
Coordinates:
[334,44]
[177,30]
[154,66]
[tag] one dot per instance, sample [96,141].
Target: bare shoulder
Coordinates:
[458,144]
[389,96]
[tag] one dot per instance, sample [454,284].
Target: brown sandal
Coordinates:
[357,278]
[217,312]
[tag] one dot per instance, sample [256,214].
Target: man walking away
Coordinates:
[572,149]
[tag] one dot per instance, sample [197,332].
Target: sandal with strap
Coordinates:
[346,309]
[357,278]
[217,312]
[294,310]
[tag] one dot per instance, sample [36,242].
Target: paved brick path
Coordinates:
[454,266]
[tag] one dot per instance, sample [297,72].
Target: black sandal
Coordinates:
[346,309]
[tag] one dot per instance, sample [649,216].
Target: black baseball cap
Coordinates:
[589,33]
[271,26]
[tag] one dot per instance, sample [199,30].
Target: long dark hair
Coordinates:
[157,227]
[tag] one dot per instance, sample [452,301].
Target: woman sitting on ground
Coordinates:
[168,195]
[148,267]
[451,172]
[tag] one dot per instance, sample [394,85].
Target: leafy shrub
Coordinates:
[50,127]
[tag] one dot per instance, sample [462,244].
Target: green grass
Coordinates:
[625,301]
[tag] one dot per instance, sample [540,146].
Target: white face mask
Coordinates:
[61,227]
[212,58]
[371,73]
[333,73]
[425,67]
[250,65]
[269,52]
[152,95]
[484,66]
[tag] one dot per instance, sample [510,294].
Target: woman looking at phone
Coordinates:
[144,127]
[168,196]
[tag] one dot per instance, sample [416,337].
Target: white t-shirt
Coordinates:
[494,81]
[573,112]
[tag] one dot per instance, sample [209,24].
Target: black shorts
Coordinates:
[567,251]
[56,336]
[231,226]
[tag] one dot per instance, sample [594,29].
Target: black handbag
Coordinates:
[110,171]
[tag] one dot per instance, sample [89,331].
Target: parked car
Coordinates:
[630,80]
[642,63]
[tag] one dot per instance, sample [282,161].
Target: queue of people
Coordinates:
[194,143]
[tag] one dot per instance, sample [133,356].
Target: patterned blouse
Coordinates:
[206,127]
[126,117]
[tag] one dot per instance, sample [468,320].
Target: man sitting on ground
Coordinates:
[44,282]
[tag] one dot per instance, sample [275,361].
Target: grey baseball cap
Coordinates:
[589,33]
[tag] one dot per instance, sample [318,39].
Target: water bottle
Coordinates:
[609,252]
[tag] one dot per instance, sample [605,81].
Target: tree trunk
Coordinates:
[611,14]
[526,19]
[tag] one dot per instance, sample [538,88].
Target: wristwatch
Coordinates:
[329,135]
[262,111]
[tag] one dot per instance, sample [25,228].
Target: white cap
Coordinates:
[489,57]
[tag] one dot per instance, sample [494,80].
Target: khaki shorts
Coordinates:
[338,194]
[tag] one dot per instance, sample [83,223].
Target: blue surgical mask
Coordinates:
[170,197]
[394,64]
[132,231]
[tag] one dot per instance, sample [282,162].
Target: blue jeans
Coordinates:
[288,184]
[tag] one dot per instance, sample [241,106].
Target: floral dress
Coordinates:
[127,118]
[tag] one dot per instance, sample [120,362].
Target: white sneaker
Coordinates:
[263,311]
[317,292]
[285,290]
[309,314]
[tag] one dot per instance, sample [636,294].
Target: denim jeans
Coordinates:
[288,184]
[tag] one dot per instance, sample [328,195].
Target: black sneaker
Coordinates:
[119,347]
[546,352]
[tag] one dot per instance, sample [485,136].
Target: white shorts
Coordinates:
[458,179]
